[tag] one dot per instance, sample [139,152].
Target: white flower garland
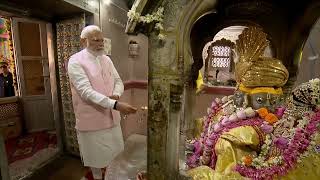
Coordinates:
[260,161]
[315,85]
[149,18]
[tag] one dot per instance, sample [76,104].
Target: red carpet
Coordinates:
[26,146]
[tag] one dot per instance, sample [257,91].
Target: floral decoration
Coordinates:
[278,153]
[155,17]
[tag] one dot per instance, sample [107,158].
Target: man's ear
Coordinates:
[83,42]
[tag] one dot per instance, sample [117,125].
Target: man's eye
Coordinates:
[98,40]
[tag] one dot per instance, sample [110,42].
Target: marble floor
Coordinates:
[124,167]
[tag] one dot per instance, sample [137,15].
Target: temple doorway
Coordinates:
[27,124]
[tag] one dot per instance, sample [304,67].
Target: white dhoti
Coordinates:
[99,148]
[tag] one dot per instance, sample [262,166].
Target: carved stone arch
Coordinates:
[195,11]
[169,60]
[218,24]
[180,19]
[191,14]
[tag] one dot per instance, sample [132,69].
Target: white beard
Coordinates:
[96,53]
[99,53]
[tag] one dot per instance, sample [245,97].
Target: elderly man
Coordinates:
[96,88]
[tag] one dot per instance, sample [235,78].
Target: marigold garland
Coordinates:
[263,112]
[271,118]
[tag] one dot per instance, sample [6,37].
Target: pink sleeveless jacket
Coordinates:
[89,116]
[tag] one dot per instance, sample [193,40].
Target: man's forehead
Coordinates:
[96,34]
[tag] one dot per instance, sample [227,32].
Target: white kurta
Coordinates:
[97,148]
[81,83]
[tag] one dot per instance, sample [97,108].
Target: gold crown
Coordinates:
[252,70]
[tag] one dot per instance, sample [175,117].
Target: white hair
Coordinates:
[86,31]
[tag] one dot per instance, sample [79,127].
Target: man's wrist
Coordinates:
[115,105]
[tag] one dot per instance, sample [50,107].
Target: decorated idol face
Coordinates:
[269,101]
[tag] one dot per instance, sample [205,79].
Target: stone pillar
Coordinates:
[164,128]
[158,115]
[169,59]
[165,91]
[173,131]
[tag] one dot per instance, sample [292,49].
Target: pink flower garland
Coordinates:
[295,148]
[193,161]
[209,142]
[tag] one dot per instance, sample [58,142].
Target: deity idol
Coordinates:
[248,135]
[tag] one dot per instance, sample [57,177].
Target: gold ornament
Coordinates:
[252,70]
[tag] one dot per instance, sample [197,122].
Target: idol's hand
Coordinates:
[125,108]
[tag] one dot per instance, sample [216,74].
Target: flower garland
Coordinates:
[203,153]
[296,149]
[278,154]
[203,148]
[156,17]
[315,95]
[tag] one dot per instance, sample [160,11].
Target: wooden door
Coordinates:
[30,38]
